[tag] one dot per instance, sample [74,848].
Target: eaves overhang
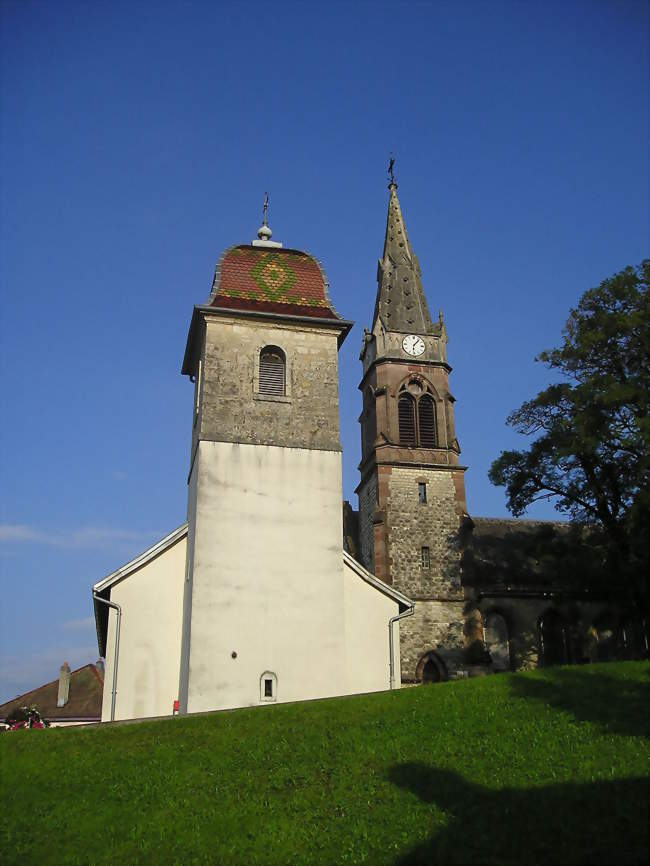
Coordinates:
[403,601]
[343,326]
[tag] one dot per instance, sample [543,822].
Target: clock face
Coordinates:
[413,345]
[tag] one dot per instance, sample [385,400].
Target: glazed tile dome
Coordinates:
[276,280]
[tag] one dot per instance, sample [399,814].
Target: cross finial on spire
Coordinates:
[265,208]
[391,163]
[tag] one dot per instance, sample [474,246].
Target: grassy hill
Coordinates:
[537,768]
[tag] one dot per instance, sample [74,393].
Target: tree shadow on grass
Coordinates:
[619,705]
[598,822]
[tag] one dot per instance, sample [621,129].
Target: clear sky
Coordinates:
[137,142]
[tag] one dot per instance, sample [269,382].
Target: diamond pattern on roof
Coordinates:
[283,281]
[274,277]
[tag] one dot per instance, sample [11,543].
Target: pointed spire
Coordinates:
[401,304]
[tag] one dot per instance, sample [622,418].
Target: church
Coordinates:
[227,611]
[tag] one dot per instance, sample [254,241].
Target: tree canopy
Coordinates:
[591,445]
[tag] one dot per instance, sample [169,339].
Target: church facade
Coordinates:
[228,611]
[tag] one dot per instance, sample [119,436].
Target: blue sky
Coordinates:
[137,142]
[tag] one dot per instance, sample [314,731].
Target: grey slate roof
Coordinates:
[533,554]
[401,304]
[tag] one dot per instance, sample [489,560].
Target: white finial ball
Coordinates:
[264,233]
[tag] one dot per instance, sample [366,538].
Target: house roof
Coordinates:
[84,698]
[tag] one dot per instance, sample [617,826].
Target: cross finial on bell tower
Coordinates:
[264,232]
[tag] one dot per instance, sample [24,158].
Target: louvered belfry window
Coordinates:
[416,414]
[272,371]
[427,422]
[406,416]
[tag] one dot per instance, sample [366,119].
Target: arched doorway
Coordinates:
[430,672]
[430,669]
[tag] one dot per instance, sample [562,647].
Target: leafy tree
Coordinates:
[591,448]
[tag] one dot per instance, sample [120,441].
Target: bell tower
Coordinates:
[264,586]
[412,491]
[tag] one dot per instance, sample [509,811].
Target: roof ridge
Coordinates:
[521,520]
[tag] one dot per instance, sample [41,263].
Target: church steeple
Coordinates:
[412,493]
[401,305]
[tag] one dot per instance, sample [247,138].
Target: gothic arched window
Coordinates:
[272,371]
[416,411]
[553,639]
[426,421]
[496,640]
[406,416]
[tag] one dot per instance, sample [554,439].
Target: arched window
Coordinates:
[268,686]
[553,639]
[406,416]
[496,640]
[426,421]
[634,638]
[272,371]
[416,412]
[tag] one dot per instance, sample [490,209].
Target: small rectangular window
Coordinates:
[268,688]
[426,558]
[422,493]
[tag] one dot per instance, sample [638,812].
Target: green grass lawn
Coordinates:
[536,768]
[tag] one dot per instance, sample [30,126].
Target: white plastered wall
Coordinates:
[267,582]
[367,613]
[151,599]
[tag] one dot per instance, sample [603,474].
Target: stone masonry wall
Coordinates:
[412,525]
[367,501]
[435,626]
[438,622]
[231,410]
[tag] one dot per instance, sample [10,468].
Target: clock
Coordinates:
[413,345]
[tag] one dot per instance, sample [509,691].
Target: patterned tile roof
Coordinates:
[278,280]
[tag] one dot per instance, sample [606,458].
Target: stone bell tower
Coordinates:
[264,578]
[412,492]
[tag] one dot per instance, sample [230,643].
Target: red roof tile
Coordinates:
[271,280]
[84,699]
